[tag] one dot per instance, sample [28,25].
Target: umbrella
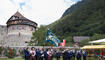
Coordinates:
[98,41]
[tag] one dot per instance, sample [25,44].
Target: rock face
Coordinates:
[18,31]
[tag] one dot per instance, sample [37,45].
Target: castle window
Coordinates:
[19,27]
[16,27]
[22,27]
[31,29]
[13,28]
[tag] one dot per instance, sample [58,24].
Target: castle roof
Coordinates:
[19,15]
[22,20]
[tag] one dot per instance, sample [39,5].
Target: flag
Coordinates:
[63,42]
[51,38]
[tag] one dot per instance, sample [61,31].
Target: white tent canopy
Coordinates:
[98,41]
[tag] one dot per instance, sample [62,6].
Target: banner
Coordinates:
[51,38]
[63,42]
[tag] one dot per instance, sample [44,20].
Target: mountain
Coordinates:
[84,18]
[74,7]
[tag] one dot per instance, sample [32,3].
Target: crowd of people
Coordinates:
[49,54]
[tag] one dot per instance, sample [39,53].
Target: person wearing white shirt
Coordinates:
[32,53]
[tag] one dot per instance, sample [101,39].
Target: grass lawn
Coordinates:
[15,59]
[11,59]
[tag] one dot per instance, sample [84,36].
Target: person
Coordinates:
[26,54]
[66,54]
[52,54]
[49,54]
[32,53]
[70,55]
[73,54]
[63,54]
[38,53]
[45,54]
[58,55]
[102,55]
[84,55]
[42,54]
[79,55]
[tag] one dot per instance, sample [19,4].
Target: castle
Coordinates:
[18,31]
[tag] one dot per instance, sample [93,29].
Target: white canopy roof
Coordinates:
[97,41]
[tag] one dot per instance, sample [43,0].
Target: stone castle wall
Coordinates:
[20,29]
[3,34]
[15,35]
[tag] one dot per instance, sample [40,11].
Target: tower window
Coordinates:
[16,27]
[31,29]
[13,28]
[19,27]
[22,27]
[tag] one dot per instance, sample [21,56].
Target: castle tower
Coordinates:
[20,30]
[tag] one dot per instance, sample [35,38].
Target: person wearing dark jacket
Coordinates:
[42,54]
[46,55]
[73,53]
[66,54]
[78,55]
[26,54]
[58,55]
[38,53]
[84,55]
[63,55]
[70,55]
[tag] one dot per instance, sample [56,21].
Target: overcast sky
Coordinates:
[40,11]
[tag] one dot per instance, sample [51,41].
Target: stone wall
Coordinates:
[15,35]
[16,40]
[20,29]
[3,34]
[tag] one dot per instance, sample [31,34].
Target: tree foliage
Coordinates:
[84,18]
[38,37]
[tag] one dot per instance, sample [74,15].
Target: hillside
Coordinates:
[85,18]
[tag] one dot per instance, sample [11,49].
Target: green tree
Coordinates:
[84,42]
[38,37]
[84,18]
[69,41]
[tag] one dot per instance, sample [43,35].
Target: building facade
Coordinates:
[19,30]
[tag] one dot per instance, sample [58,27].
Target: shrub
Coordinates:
[10,52]
[1,49]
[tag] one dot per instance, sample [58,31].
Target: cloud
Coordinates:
[6,10]
[40,11]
